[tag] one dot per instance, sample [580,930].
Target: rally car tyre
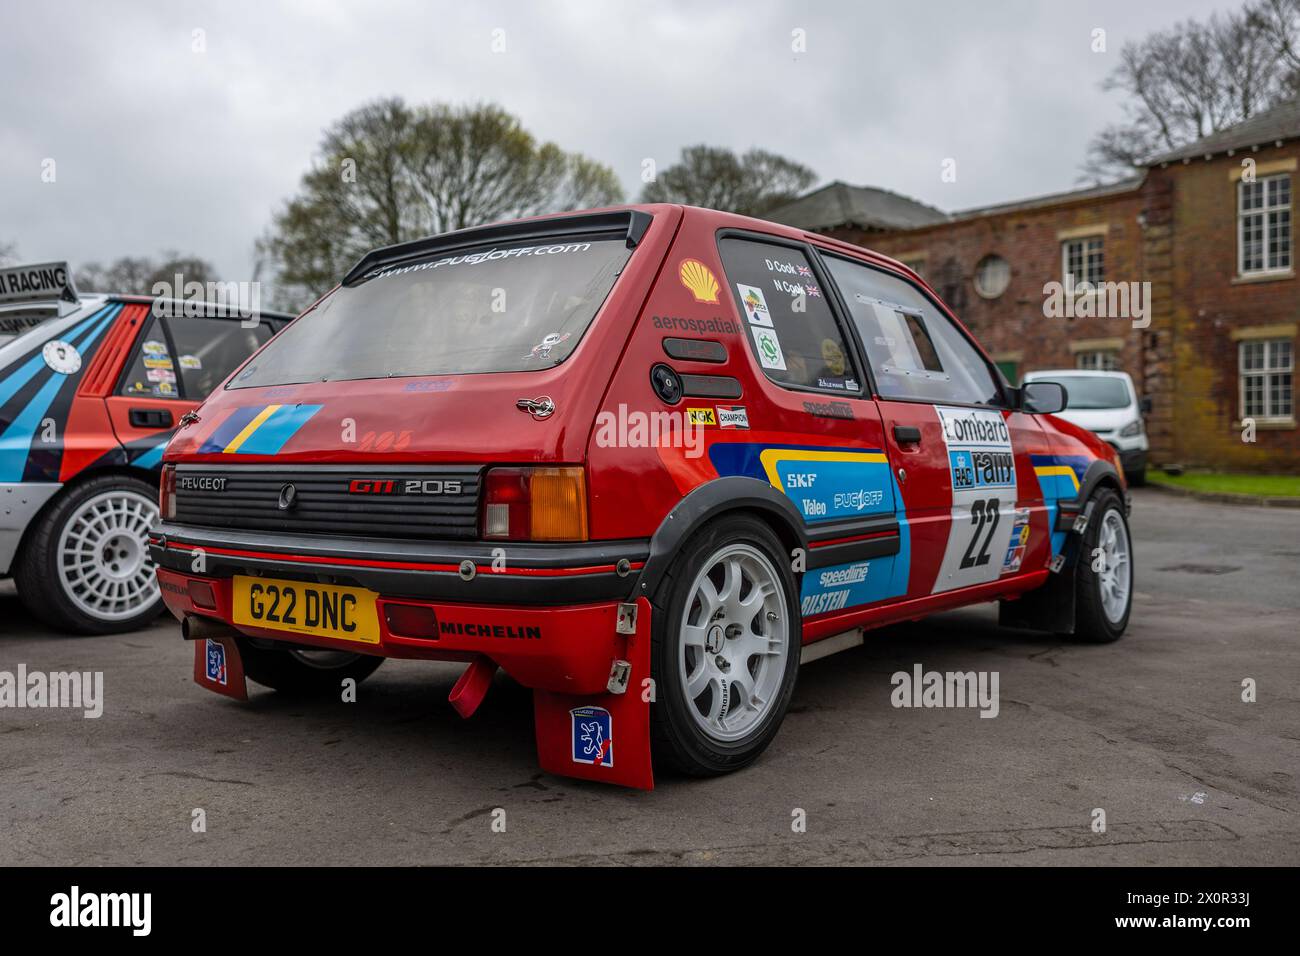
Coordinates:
[304,671]
[85,565]
[1104,596]
[724,648]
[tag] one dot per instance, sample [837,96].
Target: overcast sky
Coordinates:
[160,147]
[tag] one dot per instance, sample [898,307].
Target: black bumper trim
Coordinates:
[486,586]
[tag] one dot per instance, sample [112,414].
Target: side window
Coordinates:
[207,350]
[916,352]
[790,325]
[152,369]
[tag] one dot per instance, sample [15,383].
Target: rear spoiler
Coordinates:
[631,223]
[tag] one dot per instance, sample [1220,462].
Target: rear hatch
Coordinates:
[414,370]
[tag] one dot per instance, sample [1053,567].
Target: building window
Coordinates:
[916,265]
[992,276]
[1083,260]
[1265,368]
[1099,361]
[1264,225]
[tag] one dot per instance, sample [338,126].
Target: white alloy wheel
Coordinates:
[733,642]
[104,566]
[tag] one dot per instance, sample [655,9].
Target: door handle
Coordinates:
[907,435]
[150,418]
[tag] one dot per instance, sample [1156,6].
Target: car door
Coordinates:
[968,492]
[816,435]
[175,364]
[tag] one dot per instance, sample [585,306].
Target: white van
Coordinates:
[1107,404]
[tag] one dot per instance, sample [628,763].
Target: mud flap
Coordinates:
[219,668]
[603,737]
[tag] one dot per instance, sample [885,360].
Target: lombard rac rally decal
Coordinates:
[593,736]
[982,465]
[258,429]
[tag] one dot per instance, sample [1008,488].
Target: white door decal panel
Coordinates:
[982,466]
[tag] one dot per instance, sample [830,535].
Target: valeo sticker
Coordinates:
[701,416]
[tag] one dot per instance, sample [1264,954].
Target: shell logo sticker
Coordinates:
[699,280]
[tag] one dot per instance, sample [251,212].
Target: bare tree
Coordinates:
[749,184]
[1194,79]
[388,172]
[137,275]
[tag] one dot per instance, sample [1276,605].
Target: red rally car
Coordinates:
[646,460]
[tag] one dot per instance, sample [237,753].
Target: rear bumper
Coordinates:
[547,614]
[545,575]
[568,650]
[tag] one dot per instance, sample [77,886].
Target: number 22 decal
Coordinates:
[982,512]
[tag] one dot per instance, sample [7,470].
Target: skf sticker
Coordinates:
[701,416]
[699,280]
[61,357]
[751,298]
[733,416]
[593,736]
[217,663]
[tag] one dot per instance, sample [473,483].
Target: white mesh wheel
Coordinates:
[104,567]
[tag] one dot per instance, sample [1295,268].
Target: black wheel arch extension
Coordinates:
[734,494]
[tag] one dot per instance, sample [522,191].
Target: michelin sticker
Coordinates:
[62,357]
[981,462]
[593,736]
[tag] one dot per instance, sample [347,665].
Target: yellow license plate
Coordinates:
[325,610]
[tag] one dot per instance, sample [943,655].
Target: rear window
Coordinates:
[1093,392]
[510,308]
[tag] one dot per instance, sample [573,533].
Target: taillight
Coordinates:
[167,492]
[535,504]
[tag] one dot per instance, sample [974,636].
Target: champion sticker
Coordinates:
[61,357]
[751,298]
[732,416]
[593,736]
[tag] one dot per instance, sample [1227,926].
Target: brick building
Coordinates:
[1209,227]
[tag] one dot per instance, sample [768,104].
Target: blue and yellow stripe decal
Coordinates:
[1060,477]
[258,429]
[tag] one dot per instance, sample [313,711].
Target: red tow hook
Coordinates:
[472,686]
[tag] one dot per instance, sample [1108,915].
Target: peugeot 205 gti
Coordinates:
[646,460]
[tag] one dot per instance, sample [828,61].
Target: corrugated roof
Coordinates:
[839,204]
[1280,122]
